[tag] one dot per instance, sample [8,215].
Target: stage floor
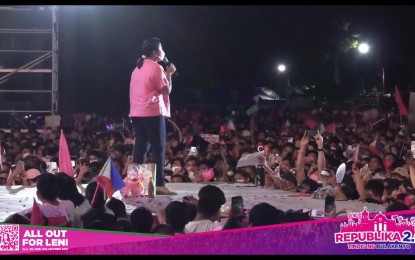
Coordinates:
[12,202]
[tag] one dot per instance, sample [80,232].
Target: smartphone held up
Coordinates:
[237,206]
[329,204]
[311,133]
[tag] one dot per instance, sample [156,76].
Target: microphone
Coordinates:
[168,63]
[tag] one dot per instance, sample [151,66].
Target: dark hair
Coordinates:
[396,206]
[288,176]
[349,188]
[147,50]
[95,225]
[31,162]
[17,219]
[191,211]
[142,220]
[391,154]
[206,162]
[391,184]
[243,173]
[94,169]
[312,151]
[124,225]
[120,148]
[163,229]
[376,186]
[95,219]
[26,145]
[290,160]
[192,158]
[68,189]
[109,221]
[94,152]
[180,160]
[104,222]
[47,186]
[264,214]
[178,176]
[313,185]
[99,202]
[89,216]
[176,215]
[118,207]
[211,198]
[295,216]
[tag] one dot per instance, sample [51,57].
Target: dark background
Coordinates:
[223,52]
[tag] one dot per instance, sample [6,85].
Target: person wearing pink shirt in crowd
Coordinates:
[150,87]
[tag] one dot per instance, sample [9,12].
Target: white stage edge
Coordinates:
[12,202]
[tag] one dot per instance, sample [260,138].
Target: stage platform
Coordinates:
[19,199]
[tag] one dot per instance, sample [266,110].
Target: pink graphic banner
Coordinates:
[19,239]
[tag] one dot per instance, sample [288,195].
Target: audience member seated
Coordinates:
[69,191]
[176,216]
[55,212]
[163,229]
[264,214]
[211,198]
[118,207]
[142,220]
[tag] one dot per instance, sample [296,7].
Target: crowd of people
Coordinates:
[301,151]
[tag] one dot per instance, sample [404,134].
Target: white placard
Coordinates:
[251,159]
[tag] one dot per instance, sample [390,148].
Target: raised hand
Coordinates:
[304,141]
[170,69]
[319,140]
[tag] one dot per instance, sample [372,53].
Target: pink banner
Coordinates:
[18,239]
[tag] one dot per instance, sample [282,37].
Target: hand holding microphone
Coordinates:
[170,67]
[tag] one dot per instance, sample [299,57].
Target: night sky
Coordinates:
[225,51]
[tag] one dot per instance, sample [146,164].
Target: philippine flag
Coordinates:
[110,178]
[376,147]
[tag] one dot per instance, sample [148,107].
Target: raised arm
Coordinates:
[359,181]
[300,173]
[321,159]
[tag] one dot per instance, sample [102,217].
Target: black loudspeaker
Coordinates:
[411,116]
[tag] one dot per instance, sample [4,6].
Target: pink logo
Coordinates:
[9,237]
[361,228]
[207,175]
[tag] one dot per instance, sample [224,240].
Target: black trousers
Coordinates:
[150,132]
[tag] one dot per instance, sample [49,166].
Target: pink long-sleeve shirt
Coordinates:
[146,98]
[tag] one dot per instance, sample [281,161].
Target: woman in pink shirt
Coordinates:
[150,87]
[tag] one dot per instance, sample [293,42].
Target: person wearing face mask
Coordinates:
[150,87]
